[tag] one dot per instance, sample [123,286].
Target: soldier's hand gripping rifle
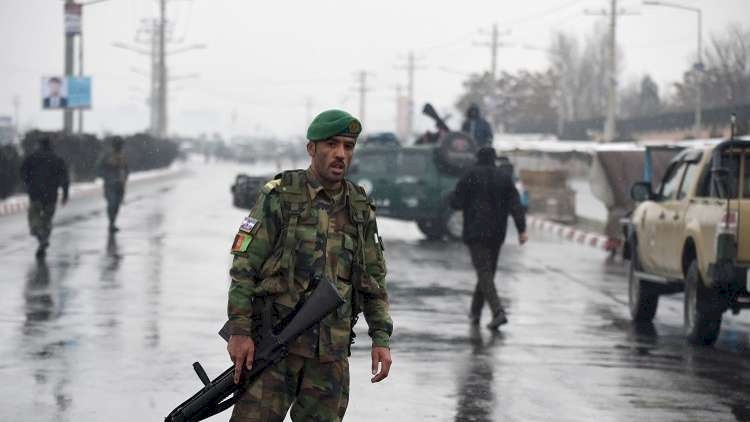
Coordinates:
[212,398]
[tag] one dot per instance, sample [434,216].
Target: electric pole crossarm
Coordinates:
[131,48]
[186,48]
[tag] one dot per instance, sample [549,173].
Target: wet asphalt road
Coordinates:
[107,328]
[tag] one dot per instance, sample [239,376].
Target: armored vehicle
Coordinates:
[410,183]
[414,182]
[245,190]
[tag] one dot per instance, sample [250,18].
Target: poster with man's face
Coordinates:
[72,92]
[54,93]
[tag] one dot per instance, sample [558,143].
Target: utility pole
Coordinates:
[610,130]
[153,100]
[16,123]
[609,127]
[362,88]
[80,73]
[410,93]
[410,67]
[69,40]
[158,34]
[161,129]
[493,44]
[397,119]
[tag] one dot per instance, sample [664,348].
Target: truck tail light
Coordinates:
[728,222]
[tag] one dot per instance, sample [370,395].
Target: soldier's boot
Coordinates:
[41,251]
[112,227]
[498,320]
[474,318]
[112,215]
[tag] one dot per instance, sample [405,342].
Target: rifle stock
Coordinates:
[212,398]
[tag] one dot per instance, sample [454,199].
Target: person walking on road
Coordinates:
[487,195]
[477,127]
[112,167]
[309,226]
[43,172]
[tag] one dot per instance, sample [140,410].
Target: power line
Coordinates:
[509,23]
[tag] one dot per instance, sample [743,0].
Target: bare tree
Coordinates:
[726,78]
[581,73]
[564,57]
[640,98]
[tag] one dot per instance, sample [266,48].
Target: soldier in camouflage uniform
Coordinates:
[112,167]
[43,172]
[309,224]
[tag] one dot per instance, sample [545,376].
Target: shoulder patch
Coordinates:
[241,242]
[271,186]
[247,224]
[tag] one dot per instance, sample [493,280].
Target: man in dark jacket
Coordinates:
[487,195]
[112,167]
[43,172]
[477,127]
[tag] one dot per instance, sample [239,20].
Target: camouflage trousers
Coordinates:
[40,220]
[114,194]
[316,392]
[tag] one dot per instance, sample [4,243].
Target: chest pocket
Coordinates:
[306,234]
[346,258]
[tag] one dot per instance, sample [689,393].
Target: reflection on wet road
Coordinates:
[107,327]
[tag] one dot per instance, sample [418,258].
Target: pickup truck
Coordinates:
[693,235]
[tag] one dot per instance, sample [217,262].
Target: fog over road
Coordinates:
[107,327]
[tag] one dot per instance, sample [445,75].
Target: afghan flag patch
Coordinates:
[241,242]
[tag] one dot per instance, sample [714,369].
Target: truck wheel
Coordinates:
[643,296]
[432,228]
[702,309]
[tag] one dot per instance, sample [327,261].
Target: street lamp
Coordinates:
[698,66]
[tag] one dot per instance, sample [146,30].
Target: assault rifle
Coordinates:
[212,398]
[430,111]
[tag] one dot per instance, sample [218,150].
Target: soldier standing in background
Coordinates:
[309,226]
[112,167]
[477,127]
[43,172]
[487,195]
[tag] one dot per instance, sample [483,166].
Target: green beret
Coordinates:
[331,123]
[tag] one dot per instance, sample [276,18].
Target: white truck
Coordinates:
[693,234]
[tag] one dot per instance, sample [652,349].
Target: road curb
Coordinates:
[594,240]
[20,203]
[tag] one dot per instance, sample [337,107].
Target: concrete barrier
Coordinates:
[569,233]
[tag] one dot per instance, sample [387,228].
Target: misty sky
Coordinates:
[265,59]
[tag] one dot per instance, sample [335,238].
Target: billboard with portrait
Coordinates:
[72,92]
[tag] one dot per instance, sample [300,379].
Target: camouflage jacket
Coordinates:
[295,231]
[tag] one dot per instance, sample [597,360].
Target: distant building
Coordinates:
[7,130]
